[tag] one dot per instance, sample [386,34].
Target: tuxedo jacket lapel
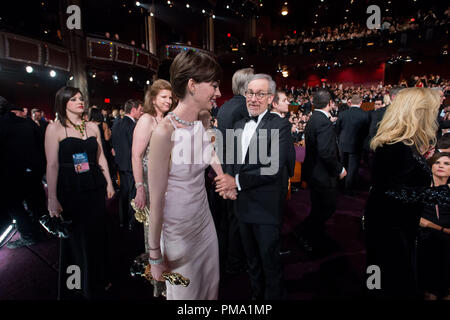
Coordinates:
[254,139]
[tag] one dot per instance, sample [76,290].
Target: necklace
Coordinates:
[81,128]
[186,123]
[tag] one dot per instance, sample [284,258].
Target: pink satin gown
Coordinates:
[189,239]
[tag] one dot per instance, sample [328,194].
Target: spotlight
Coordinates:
[94,75]
[228,7]
[6,233]
[169,2]
[71,78]
[138,3]
[203,11]
[29,69]
[187,5]
[148,82]
[52,73]
[151,14]
[131,79]
[115,79]
[213,16]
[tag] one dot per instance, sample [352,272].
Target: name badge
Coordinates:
[81,162]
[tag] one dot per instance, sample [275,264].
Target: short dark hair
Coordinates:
[130,104]
[378,98]
[436,157]
[321,99]
[62,97]
[195,65]
[95,114]
[444,141]
[276,97]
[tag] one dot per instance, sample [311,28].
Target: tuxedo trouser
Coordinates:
[262,246]
[323,205]
[351,162]
[127,193]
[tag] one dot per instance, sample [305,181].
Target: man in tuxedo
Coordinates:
[22,166]
[352,128]
[122,140]
[321,170]
[260,180]
[235,109]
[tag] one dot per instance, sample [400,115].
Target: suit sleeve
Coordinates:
[326,149]
[250,180]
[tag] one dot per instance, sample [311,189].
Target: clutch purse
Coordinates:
[55,226]
[141,215]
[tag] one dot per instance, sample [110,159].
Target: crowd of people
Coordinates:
[231,221]
[389,26]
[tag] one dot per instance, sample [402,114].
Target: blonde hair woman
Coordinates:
[400,188]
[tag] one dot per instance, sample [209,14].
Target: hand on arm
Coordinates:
[51,153]
[141,139]
[158,173]
[103,163]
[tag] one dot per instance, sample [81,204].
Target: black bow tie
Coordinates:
[248,118]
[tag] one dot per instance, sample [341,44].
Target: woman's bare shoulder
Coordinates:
[164,129]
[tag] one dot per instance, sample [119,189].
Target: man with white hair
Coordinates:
[259,177]
[230,244]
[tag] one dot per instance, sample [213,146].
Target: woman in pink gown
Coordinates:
[182,236]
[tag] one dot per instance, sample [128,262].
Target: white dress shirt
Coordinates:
[247,134]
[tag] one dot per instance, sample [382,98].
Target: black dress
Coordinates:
[400,188]
[82,197]
[433,253]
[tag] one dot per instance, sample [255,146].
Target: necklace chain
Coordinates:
[81,128]
[187,123]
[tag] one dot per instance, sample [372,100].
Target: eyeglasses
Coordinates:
[258,95]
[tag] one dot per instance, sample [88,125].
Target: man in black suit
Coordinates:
[260,180]
[22,166]
[235,109]
[321,170]
[352,128]
[122,140]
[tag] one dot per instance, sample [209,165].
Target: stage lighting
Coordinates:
[29,69]
[284,11]
[213,16]
[115,78]
[71,78]
[52,73]
[148,82]
[187,5]
[203,11]
[138,3]
[131,79]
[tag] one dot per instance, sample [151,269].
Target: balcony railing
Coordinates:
[18,48]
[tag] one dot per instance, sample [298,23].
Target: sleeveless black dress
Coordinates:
[82,197]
